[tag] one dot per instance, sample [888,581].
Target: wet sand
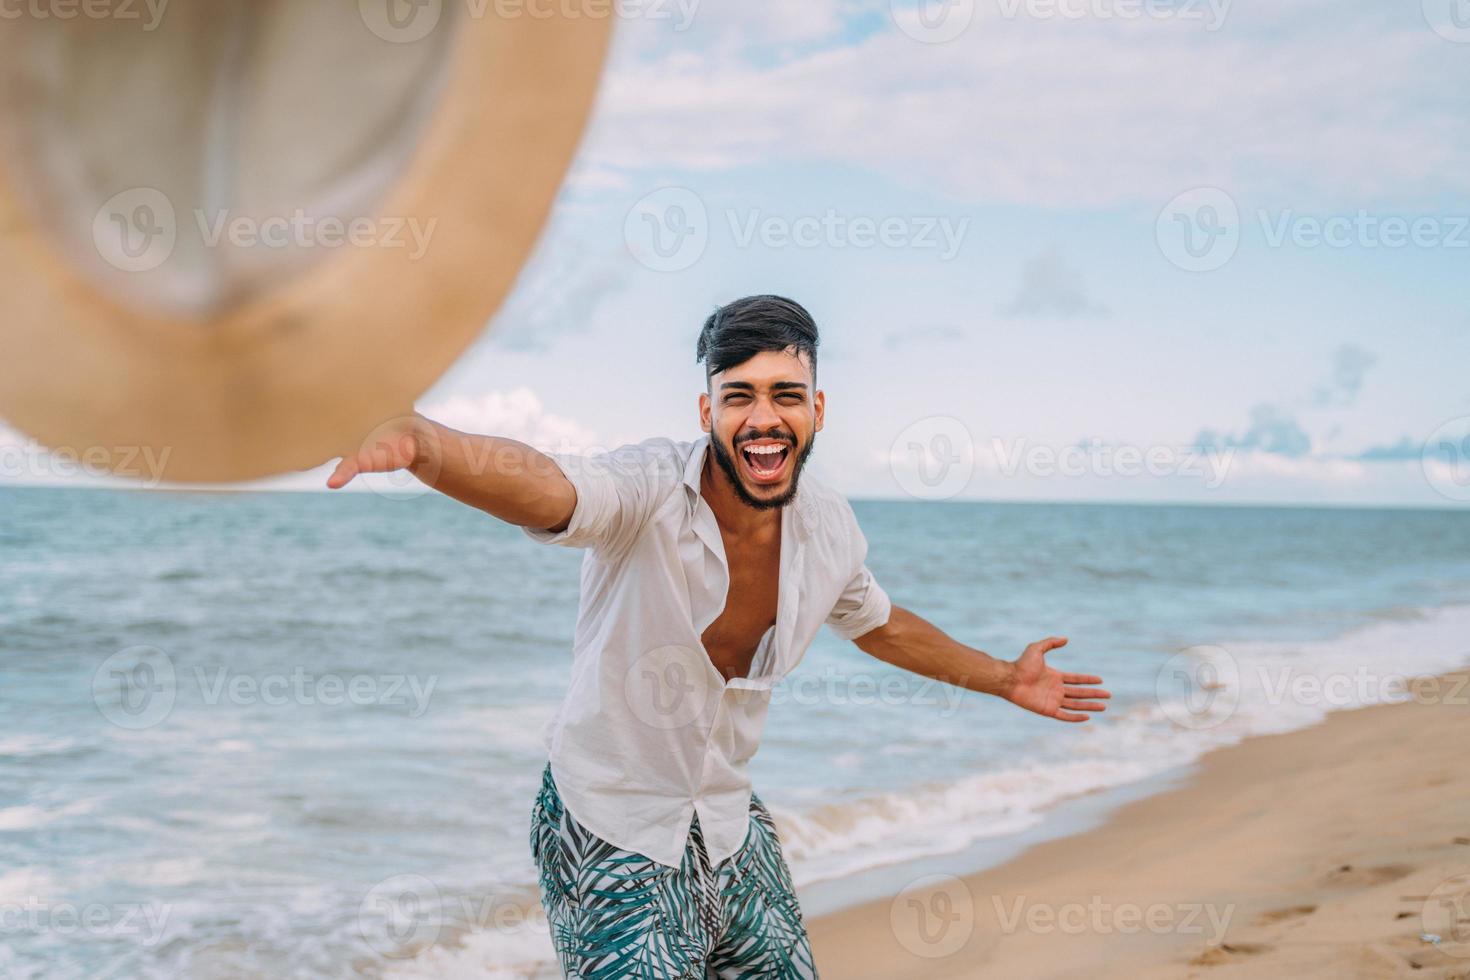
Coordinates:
[1326,852]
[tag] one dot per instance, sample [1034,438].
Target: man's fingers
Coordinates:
[343,474]
[1077,705]
[1070,716]
[1049,644]
[1084,692]
[1081,679]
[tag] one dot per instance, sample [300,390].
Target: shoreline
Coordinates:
[1323,851]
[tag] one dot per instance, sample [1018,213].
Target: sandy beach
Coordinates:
[1325,852]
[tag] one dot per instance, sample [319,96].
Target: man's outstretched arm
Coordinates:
[505,478]
[915,644]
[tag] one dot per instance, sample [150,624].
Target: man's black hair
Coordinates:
[738,331]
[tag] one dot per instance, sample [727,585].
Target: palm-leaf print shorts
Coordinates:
[617,914]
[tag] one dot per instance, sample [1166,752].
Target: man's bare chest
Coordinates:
[750,607]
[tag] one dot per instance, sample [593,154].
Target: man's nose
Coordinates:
[763,416]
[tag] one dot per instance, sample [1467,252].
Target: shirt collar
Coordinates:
[801,504]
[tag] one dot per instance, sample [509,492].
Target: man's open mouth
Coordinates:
[766,461]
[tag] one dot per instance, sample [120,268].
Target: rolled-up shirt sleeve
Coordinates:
[615,493]
[863,607]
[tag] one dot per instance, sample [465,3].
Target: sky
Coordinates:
[1111,250]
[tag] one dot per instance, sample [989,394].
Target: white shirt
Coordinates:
[650,732]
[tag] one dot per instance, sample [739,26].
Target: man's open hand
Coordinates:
[395,445]
[1047,691]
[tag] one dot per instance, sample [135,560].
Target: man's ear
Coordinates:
[819,406]
[706,418]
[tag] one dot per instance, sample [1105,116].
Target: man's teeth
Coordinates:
[765,459]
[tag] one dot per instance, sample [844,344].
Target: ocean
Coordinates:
[299,735]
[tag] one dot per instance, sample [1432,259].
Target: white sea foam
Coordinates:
[29,816]
[1265,687]
[1273,688]
[24,746]
[521,950]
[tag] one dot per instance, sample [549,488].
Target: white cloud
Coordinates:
[1321,106]
[516,414]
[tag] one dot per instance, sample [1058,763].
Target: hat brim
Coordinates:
[302,373]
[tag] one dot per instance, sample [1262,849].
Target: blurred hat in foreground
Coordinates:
[238,234]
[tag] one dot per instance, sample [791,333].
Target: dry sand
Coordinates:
[1325,852]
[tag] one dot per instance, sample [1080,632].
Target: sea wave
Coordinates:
[1268,691]
[1231,691]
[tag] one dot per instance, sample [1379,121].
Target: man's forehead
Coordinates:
[767,368]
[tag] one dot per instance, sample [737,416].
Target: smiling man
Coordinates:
[709,567]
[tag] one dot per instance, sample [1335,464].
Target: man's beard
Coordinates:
[731,468]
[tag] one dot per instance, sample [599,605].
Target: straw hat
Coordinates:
[237,235]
